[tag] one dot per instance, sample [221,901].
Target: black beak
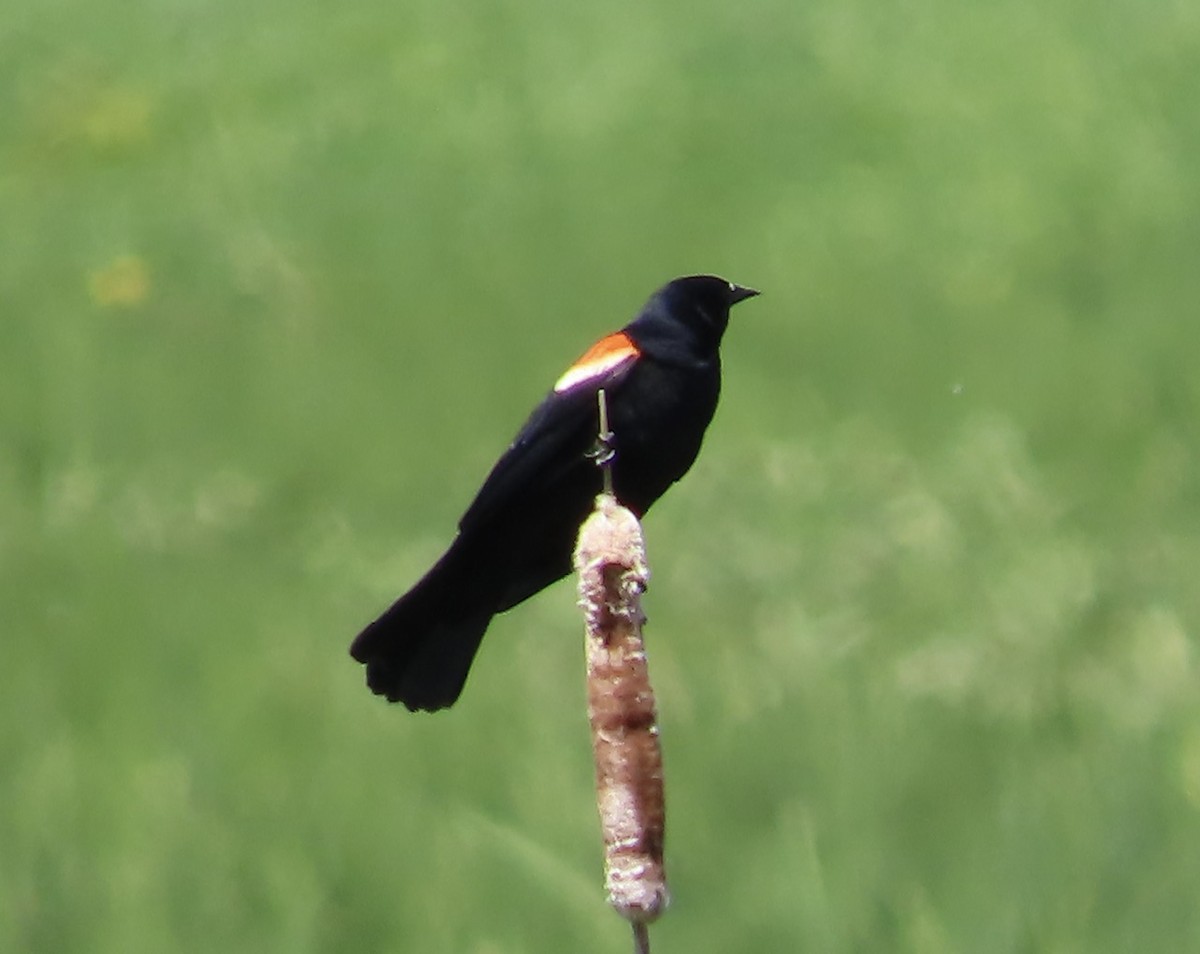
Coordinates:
[740,293]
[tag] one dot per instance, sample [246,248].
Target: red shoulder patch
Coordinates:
[607,355]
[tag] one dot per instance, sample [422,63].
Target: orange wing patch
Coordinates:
[607,355]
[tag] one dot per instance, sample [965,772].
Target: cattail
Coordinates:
[610,559]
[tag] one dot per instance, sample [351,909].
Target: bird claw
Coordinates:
[604,451]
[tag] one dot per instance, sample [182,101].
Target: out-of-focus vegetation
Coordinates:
[277,283]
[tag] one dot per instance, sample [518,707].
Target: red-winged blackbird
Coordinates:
[662,375]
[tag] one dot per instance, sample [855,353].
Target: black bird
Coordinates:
[662,375]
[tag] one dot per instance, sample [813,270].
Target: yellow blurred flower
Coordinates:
[117,117]
[122,283]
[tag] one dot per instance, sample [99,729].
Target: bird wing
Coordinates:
[557,434]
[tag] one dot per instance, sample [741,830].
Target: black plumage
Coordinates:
[662,377]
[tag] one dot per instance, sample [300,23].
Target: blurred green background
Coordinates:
[279,280]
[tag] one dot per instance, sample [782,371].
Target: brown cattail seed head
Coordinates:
[611,561]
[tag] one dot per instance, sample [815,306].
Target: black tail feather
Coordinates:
[420,649]
[425,670]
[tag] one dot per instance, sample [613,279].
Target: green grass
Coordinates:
[277,283]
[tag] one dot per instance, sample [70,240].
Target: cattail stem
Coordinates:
[605,451]
[611,562]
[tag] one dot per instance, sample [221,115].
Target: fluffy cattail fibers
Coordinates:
[611,562]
